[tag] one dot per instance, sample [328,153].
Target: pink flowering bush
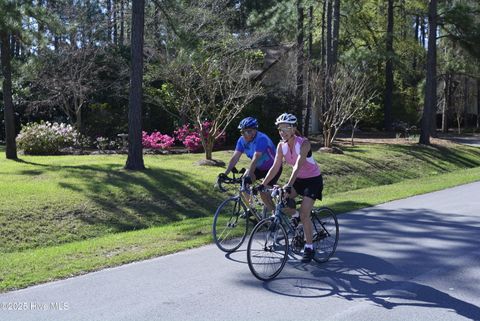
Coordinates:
[193,142]
[182,132]
[157,141]
[206,127]
[191,139]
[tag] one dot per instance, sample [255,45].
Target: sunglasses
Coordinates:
[284,129]
[247,132]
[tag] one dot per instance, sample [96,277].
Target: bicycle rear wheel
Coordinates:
[325,233]
[230,224]
[267,250]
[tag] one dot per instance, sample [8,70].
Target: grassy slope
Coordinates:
[61,215]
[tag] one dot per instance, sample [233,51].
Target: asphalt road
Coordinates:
[413,259]
[473,140]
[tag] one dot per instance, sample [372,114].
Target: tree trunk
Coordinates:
[78,119]
[323,50]
[115,22]
[11,146]
[135,155]
[416,37]
[446,92]
[389,69]
[422,32]
[306,127]
[300,65]
[328,47]
[122,21]
[335,31]
[209,148]
[109,20]
[329,64]
[327,137]
[431,79]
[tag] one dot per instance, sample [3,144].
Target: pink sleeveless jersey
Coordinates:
[309,168]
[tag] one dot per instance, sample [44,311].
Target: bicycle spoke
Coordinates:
[267,250]
[230,225]
[326,233]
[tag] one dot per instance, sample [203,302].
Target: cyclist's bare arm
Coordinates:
[277,163]
[233,161]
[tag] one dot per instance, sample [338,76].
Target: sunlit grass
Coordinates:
[64,215]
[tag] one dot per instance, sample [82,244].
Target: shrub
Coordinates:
[102,143]
[45,138]
[191,139]
[157,141]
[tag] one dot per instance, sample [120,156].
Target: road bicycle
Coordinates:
[236,213]
[276,238]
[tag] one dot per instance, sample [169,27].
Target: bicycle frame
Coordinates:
[282,218]
[276,239]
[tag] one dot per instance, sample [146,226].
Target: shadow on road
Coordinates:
[354,276]
[388,257]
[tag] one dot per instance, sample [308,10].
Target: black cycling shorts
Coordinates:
[310,187]
[262,174]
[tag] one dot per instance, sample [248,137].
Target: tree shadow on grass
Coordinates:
[125,200]
[437,159]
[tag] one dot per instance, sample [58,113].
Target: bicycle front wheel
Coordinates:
[325,233]
[230,224]
[267,250]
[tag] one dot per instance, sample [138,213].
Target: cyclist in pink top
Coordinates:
[306,178]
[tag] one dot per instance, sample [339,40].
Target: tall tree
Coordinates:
[135,151]
[10,23]
[389,68]
[11,147]
[335,31]
[300,64]
[328,68]
[430,103]
[308,111]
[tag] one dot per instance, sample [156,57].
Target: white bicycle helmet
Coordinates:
[286,118]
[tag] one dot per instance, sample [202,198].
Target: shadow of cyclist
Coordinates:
[354,276]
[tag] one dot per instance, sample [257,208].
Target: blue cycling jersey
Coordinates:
[261,143]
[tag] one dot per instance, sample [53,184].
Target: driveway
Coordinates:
[412,259]
[473,140]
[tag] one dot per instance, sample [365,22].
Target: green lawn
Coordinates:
[65,215]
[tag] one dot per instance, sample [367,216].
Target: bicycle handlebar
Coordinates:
[226,180]
[223,179]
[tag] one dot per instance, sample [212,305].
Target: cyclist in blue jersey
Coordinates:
[261,150]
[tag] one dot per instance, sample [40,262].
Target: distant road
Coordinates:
[412,259]
[466,140]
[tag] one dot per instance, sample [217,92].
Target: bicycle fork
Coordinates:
[271,235]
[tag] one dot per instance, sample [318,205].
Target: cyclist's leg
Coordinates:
[265,196]
[305,210]
[310,189]
[246,196]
